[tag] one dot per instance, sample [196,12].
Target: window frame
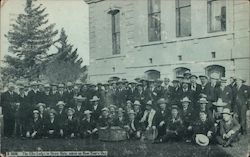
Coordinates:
[178,18]
[151,14]
[209,17]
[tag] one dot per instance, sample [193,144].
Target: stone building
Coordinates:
[164,38]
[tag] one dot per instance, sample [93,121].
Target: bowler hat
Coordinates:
[71,109]
[203,101]
[60,103]
[87,112]
[40,104]
[95,98]
[185,99]
[161,101]
[137,102]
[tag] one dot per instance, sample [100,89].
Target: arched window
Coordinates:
[180,71]
[152,74]
[219,70]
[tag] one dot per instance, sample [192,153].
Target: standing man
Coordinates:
[242,95]
[8,103]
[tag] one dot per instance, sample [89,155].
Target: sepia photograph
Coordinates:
[125,78]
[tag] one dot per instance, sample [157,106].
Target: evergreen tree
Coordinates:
[64,65]
[30,39]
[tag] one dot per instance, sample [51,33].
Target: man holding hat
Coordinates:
[229,129]
[70,128]
[174,126]
[133,126]
[242,95]
[35,127]
[161,117]
[88,127]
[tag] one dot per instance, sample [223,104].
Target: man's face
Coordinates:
[226,117]
[231,80]
[21,90]
[136,107]
[61,107]
[131,116]
[41,108]
[11,88]
[203,80]
[51,115]
[203,116]
[47,89]
[148,107]
[105,113]
[95,102]
[213,81]
[35,115]
[238,82]
[70,113]
[174,112]
[185,85]
[60,89]
[54,88]
[163,106]
[219,109]
[166,81]
[203,106]
[185,104]
[88,115]
[193,80]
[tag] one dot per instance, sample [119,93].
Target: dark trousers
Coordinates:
[9,125]
[161,131]
[241,111]
[233,138]
[171,136]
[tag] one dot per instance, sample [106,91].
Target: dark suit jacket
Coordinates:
[8,103]
[242,94]
[159,116]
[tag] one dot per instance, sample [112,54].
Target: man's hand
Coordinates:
[28,134]
[61,132]
[161,123]
[153,127]
[34,134]
[51,131]
[190,127]
[209,133]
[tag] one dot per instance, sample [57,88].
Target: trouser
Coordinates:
[171,136]
[241,111]
[233,138]
[9,125]
[161,131]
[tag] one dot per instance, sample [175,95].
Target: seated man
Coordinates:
[70,125]
[203,126]
[104,120]
[174,126]
[133,126]
[35,127]
[88,127]
[120,120]
[52,129]
[186,114]
[229,129]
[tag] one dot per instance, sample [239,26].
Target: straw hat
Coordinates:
[87,112]
[137,102]
[201,140]
[131,112]
[60,103]
[53,111]
[71,109]
[105,109]
[226,111]
[40,104]
[35,111]
[219,103]
[150,103]
[79,98]
[161,101]
[186,99]
[203,76]
[203,101]
[95,98]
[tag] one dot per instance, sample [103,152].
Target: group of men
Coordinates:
[182,109]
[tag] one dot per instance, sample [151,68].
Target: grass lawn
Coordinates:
[128,148]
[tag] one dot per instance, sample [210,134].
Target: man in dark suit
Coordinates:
[166,88]
[195,88]
[185,91]
[96,108]
[161,117]
[225,93]
[121,95]
[204,85]
[175,92]
[242,95]
[88,127]
[132,91]
[33,96]
[9,100]
[69,93]
[51,125]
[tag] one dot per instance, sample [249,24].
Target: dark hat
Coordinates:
[175,81]
[187,73]
[161,101]
[193,76]
[203,76]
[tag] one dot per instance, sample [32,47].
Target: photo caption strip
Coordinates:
[58,153]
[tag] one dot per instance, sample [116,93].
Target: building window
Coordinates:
[152,74]
[180,71]
[213,54]
[180,57]
[115,22]
[217,69]
[154,20]
[216,15]
[183,18]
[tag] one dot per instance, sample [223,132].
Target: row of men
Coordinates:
[19,106]
[171,122]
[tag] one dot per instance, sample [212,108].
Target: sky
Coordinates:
[70,14]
